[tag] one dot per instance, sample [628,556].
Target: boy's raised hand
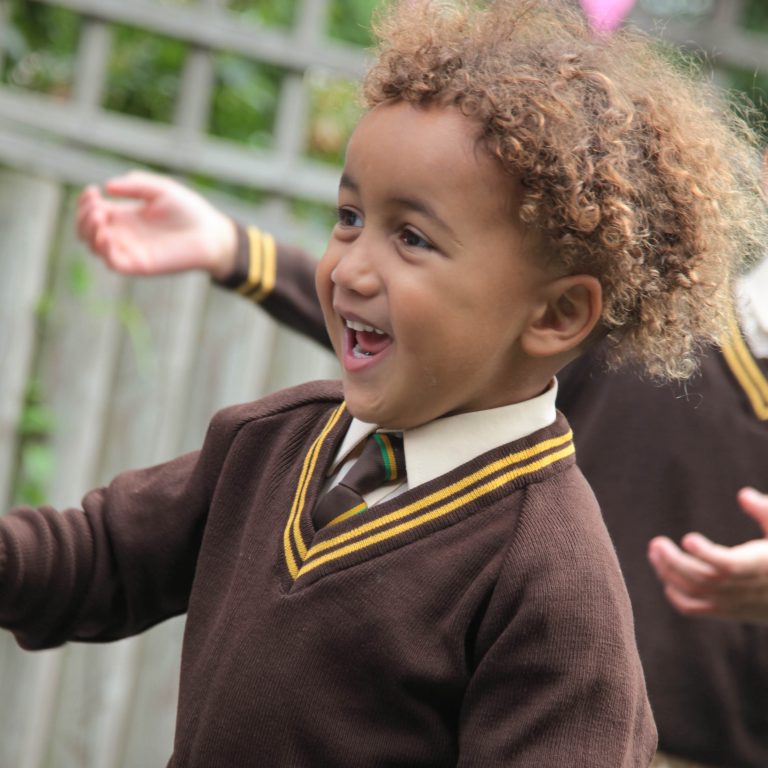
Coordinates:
[706,579]
[154,225]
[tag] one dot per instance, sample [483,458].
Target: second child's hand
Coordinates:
[702,578]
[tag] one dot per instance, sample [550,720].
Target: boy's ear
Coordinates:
[570,311]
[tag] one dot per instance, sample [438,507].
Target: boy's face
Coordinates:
[427,282]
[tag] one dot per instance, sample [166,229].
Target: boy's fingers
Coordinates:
[86,202]
[88,195]
[139,184]
[102,244]
[86,226]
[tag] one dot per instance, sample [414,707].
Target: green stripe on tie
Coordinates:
[384,455]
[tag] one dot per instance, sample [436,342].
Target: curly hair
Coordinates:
[633,170]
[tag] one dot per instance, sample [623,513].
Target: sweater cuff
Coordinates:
[255,269]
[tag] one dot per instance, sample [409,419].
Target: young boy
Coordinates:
[693,446]
[491,224]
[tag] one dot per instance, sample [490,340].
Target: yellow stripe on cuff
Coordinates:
[255,247]
[269,268]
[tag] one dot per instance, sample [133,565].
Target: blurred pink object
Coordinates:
[606,15]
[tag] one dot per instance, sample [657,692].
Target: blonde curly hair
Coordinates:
[633,170]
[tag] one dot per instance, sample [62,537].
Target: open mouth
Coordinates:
[365,341]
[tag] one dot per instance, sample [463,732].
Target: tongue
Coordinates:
[371,343]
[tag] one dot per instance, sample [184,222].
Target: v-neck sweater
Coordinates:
[479,619]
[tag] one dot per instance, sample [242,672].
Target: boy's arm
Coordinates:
[556,678]
[280,278]
[153,225]
[707,579]
[122,563]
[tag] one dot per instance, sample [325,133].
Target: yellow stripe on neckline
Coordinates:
[349,513]
[314,561]
[299,499]
[746,371]
[443,493]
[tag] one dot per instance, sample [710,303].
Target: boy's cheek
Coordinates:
[324,290]
[324,285]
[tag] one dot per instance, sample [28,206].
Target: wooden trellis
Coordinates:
[131,370]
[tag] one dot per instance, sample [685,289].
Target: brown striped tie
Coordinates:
[382,461]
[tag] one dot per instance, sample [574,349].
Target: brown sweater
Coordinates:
[662,460]
[476,620]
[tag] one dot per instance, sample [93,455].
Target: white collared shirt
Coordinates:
[442,445]
[752,300]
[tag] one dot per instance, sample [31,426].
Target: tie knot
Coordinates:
[392,453]
[381,461]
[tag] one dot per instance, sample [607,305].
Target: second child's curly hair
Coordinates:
[634,171]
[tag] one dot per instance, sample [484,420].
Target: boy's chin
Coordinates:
[371,410]
[382,414]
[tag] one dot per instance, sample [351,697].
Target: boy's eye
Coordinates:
[414,240]
[349,217]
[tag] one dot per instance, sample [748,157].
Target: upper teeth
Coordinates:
[355,326]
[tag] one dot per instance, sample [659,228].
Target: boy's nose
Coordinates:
[356,271]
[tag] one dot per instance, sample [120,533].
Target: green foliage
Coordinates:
[36,420]
[39,42]
[245,100]
[333,113]
[756,15]
[243,194]
[350,20]
[144,74]
[79,277]
[750,96]
[322,217]
[35,457]
[279,13]
[135,323]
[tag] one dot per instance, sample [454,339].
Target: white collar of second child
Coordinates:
[444,444]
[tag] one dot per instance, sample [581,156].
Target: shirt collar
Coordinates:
[442,445]
[753,308]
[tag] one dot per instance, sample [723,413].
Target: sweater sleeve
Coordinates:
[557,679]
[122,563]
[280,278]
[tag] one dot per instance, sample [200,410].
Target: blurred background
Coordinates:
[250,101]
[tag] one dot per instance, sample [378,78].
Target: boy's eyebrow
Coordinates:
[421,206]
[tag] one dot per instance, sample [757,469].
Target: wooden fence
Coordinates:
[101,373]
[131,371]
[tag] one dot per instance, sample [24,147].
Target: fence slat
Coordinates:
[28,213]
[160,144]
[221,30]
[91,65]
[24,249]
